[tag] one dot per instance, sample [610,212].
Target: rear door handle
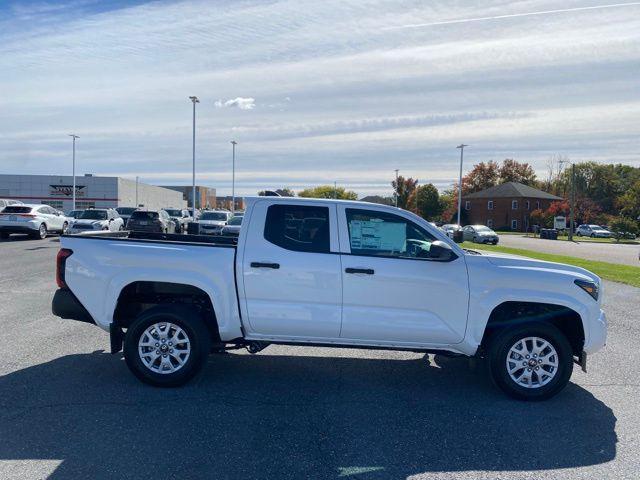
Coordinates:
[366,271]
[265,265]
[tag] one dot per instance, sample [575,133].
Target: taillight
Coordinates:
[61,261]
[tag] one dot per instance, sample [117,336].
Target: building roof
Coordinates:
[511,190]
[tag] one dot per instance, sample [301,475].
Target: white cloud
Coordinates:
[239,102]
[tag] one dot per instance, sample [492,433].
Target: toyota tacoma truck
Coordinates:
[329,273]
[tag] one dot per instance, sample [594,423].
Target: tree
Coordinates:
[513,171]
[622,227]
[540,218]
[283,192]
[425,201]
[482,176]
[629,202]
[328,191]
[404,189]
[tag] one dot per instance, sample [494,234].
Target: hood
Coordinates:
[217,223]
[525,263]
[86,221]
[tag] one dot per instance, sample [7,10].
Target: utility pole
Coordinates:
[74,136]
[137,204]
[335,190]
[461,147]
[397,186]
[572,200]
[233,178]
[194,100]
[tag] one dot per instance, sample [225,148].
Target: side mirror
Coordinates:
[441,252]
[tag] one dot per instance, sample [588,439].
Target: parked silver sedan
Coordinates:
[479,234]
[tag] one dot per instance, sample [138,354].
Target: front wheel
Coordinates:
[167,345]
[531,362]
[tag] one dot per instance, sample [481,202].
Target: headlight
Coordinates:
[590,287]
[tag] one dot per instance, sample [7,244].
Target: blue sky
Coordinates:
[315,92]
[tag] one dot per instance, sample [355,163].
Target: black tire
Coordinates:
[195,330]
[65,226]
[41,234]
[593,235]
[4,235]
[500,346]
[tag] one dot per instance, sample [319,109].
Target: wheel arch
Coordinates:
[141,295]
[512,313]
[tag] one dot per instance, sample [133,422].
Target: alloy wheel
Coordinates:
[532,362]
[164,348]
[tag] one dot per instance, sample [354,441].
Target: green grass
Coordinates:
[609,271]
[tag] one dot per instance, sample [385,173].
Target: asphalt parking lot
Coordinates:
[70,410]
[625,254]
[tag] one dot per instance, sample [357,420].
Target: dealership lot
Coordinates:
[69,410]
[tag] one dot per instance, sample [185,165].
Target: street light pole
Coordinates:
[74,136]
[233,178]
[194,100]
[396,170]
[461,147]
[137,191]
[572,201]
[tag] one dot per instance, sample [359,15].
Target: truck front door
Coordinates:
[291,271]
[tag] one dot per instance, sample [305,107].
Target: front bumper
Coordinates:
[66,305]
[597,336]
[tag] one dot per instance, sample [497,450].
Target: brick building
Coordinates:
[506,206]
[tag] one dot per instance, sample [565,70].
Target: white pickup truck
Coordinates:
[331,273]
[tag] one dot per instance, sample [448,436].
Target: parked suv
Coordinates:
[593,231]
[212,221]
[125,213]
[479,234]
[34,220]
[97,219]
[180,218]
[151,221]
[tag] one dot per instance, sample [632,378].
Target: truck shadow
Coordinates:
[291,416]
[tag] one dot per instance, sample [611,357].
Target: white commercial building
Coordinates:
[91,191]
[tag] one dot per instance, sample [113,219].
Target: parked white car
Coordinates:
[593,231]
[331,272]
[35,220]
[8,201]
[479,234]
[212,221]
[94,219]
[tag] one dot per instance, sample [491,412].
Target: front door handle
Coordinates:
[265,265]
[366,271]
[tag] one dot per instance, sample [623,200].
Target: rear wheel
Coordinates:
[65,227]
[167,345]
[41,234]
[531,362]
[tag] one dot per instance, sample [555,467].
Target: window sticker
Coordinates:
[378,235]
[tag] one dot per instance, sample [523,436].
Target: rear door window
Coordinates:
[298,227]
[138,215]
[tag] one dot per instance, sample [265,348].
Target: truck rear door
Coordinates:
[291,270]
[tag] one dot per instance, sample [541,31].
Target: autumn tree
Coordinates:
[513,171]
[482,176]
[403,189]
[328,191]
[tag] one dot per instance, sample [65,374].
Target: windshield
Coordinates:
[596,227]
[125,210]
[75,213]
[481,228]
[93,215]
[144,215]
[174,213]
[235,221]
[213,216]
